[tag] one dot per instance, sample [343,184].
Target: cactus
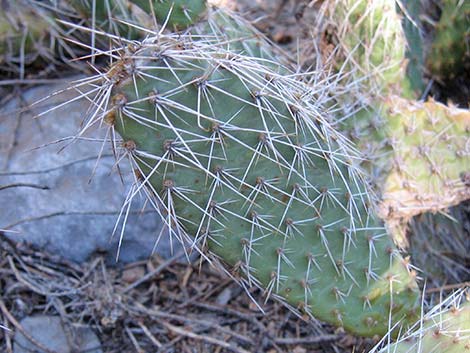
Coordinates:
[128,18]
[449,56]
[242,164]
[410,11]
[417,152]
[36,33]
[177,13]
[420,155]
[419,158]
[29,34]
[372,45]
[118,17]
[431,162]
[444,329]
[239,158]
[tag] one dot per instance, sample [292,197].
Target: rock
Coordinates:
[49,332]
[86,341]
[47,199]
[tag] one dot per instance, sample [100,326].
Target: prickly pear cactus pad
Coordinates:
[27,32]
[449,56]
[178,14]
[417,153]
[134,18]
[372,45]
[445,329]
[119,17]
[242,165]
[431,156]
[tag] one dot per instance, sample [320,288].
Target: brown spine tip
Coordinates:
[119,100]
[138,174]
[110,118]
[129,145]
[121,71]
[153,96]
[168,184]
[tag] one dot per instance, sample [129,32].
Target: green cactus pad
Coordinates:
[431,160]
[178,14]
[414,44]
[450,52]
[242,164]
[416,153]
[372,45]
[445,329]
[128,17]
[28,32]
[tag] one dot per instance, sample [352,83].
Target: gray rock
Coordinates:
[85,340]
[53,205]
[50,333]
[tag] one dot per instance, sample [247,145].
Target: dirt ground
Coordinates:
[154,305]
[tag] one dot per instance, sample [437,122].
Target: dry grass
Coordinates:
[153,306]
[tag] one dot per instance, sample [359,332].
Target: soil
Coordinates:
[154,305]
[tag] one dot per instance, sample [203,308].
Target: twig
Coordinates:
[189,320]
[4,328]
[448,287]
[7,335]
[39,289]
[229,311]
[149,334]
[308,340]
[36,81]
[72,213]
[134,341]
[154,273]
[24,185]
[183,332]
[49,170]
